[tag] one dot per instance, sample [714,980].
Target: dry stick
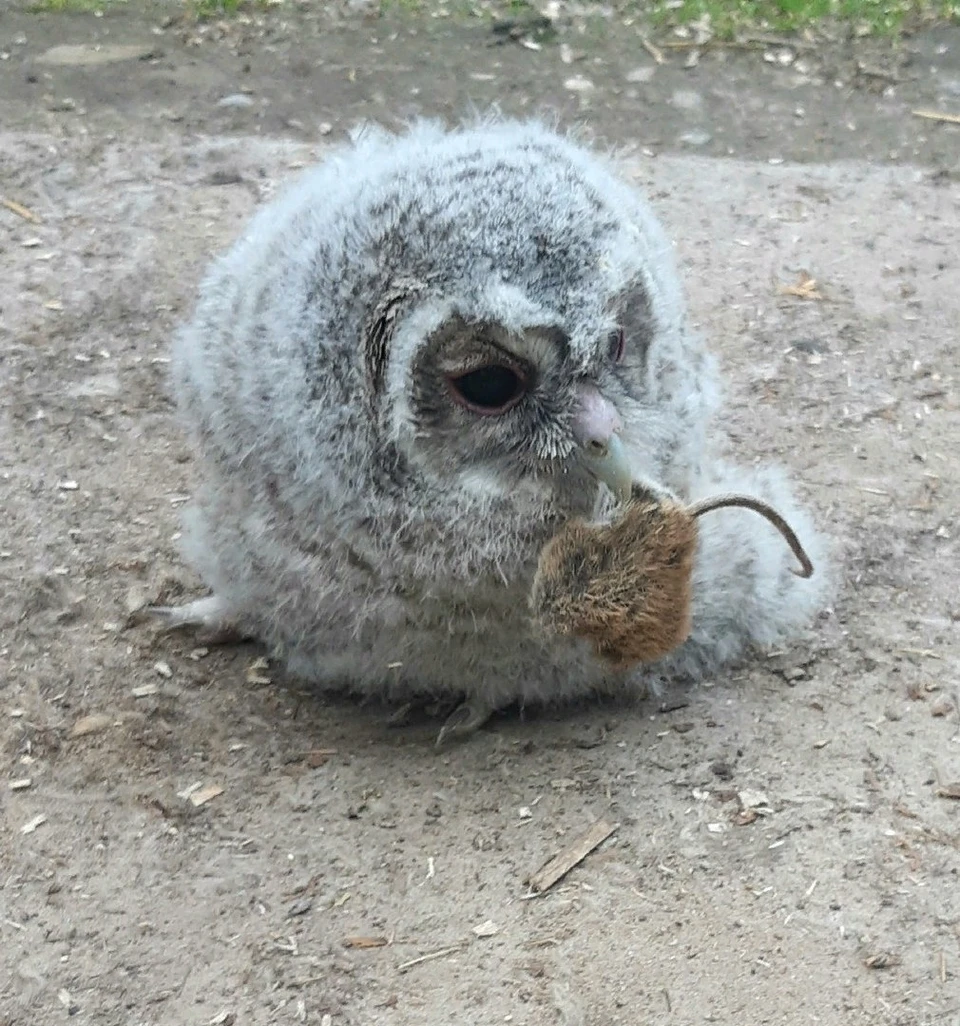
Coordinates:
[655,52]
[20,210]
[429,957]
[765,510]
[933,115]
[575,853]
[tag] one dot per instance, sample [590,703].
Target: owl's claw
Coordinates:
[465,720]
[208,613]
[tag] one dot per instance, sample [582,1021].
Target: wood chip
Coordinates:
[20,785]
[882,960]
[20,210]
[318,757]
[145,690]
[163,669]
[806,288]
[486,929]
[204,794]
[572,855]
[92,724]
[365,942]
[32,824]
[255,674]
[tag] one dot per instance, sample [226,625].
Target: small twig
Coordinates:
[690,44]
[926,652]
[765,510]
[572,855]
[452,950]
[787,44]
[655,52]
[933,115]
[20,210]
[869,72]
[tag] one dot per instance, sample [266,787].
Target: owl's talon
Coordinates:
[465,720]
[400,717]
[206,613]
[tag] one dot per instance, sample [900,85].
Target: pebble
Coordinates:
[696,138]
[579,84]
[641,74]
[235,100]
[686,99]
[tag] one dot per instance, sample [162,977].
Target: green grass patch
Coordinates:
[202,9]
[73,6]
[729,18]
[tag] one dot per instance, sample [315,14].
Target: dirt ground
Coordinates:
[787,843]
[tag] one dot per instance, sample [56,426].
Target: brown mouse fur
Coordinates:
[626,586]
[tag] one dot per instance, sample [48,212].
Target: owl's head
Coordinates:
[519,288]
[498,405]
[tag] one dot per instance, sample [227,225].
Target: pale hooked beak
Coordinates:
[608,463]
[596,427]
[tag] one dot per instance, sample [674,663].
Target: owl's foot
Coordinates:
[207,613]
[465,720]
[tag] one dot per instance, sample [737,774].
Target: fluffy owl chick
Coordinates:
[395,382]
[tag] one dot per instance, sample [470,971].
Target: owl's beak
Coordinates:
[596,427]
[608,463]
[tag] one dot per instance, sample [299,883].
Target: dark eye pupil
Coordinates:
[489,388]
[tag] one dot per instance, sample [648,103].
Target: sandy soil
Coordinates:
[787,848]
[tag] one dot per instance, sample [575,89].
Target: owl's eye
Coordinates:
[616,344]
[489,390]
